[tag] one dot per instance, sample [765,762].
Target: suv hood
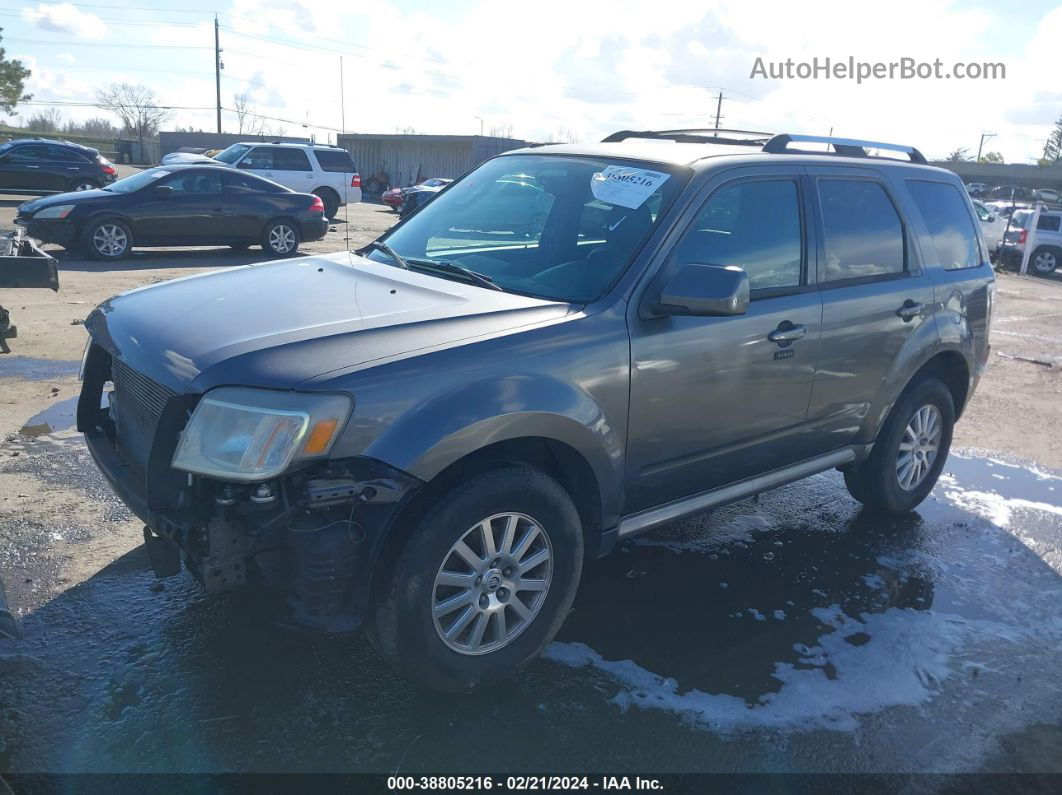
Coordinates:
[278,324]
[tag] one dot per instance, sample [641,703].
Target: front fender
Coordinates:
[445,428]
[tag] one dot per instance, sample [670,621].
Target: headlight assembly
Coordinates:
[238,433]
[59,211]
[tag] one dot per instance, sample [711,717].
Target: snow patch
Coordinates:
[907,657]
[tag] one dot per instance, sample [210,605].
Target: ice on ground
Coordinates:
[909,654]
[737,529]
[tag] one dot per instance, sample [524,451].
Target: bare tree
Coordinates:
[96,127]
[46,121]
[501,131]
[136,106]
[959,155]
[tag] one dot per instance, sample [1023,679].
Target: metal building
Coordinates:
[399,160]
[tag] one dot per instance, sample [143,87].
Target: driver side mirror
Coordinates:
[705,291]
[991,218]
[162,191]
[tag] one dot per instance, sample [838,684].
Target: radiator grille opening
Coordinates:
[140,403]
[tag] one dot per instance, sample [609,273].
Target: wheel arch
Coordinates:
[556,458]
[948,363]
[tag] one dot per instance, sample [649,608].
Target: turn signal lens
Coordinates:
[319,437]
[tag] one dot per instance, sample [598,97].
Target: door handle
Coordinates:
[909,311]
[787,332]
[29,166]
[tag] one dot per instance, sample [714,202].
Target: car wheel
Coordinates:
[81,183]
[483,583]
[1044,260]
[280,238]
[108,239]
[910,450]
[331,203]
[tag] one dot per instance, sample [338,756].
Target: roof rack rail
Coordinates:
[694,136]
[847,147]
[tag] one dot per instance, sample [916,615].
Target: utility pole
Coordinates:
[342,100]
[718,108]
[480,125]
[980,146]
[217,67]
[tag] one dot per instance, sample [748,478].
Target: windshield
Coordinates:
[232,154]
[137,181]
[563,228]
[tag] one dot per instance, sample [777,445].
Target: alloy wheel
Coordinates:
[282,238]
[492,583]
[1045,262]
[110,240]
[919,447]
[84,186]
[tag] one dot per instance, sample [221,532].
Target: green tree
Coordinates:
[13,77]
[959,155]
[1053,146]
[991,157]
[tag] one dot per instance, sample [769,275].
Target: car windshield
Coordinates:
[232,154]
[558,227]
[137,181]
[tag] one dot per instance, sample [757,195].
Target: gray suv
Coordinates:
[567,347]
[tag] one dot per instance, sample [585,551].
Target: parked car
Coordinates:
[327,171]
[38,166]
[392,197]
[420,194]
[427,437]
[992,225]
[177,206]
[1047,195]
[1047,255]
[976,188]
[1011,192]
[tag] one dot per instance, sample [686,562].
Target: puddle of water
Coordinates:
[36,369]
[57,417]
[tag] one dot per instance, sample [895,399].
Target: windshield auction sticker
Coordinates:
[625,186]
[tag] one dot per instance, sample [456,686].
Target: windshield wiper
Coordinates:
[379,245]
[458,270]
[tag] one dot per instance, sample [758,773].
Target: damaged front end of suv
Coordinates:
[239,484]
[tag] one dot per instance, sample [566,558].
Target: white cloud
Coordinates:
[66,18]
[66,57]
[598,65]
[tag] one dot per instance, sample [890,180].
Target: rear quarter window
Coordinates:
[1049,223]
[949,223]
[335,161]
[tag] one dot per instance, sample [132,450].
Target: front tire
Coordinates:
[109,239]
[910,451]
[483,583]
[280,238]
[80,184]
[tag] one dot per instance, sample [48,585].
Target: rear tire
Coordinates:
[902,468]
[428,643]
[1044,260]
[280,238]
[107,239]
[81,183]
[331,202]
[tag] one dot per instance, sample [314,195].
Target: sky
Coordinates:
[556,69]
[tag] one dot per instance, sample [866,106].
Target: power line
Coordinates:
[109,45]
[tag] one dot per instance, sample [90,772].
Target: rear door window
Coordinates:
[195,183]
[27,154]
[948,222]
[335,160]
[862,232]
[245,183]
[1049,223]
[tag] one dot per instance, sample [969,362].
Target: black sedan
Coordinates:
[177,205]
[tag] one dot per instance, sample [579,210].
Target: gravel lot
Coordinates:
[789,633]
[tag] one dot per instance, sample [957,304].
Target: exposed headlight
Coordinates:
[59,211]
[238,433]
